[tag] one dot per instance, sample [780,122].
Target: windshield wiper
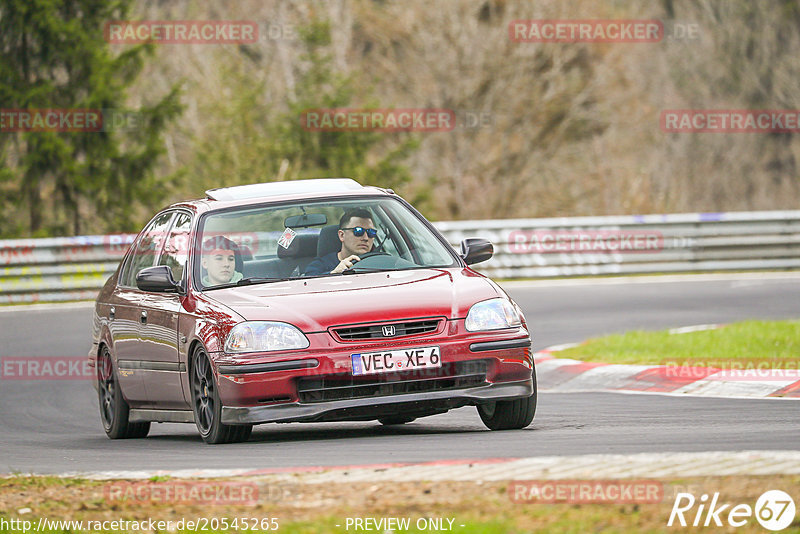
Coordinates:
[257,280]
[356,270]
[249,281]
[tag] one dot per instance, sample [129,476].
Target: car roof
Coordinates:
[272,189]
[243,195]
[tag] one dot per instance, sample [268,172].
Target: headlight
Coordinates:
[263,336]
[492,314]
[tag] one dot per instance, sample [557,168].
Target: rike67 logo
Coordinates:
[774,510]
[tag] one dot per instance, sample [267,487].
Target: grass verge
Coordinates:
[772,343]
[473,507]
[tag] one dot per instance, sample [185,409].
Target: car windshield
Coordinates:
[278,242]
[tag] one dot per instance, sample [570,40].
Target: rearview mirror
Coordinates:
[305,220]
[157,279]
[476,250]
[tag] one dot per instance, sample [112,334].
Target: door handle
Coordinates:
[143,317]
[112,312]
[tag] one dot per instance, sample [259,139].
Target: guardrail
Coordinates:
[74,268]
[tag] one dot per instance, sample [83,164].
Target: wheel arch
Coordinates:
[190,356]
[105,339]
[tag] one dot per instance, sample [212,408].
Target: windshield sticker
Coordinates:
[287,237]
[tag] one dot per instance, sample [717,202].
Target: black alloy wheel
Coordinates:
[114,410]
[207,406]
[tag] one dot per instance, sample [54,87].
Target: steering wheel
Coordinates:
[373,254]
[390,262]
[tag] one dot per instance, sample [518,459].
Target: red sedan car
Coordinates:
[312,300]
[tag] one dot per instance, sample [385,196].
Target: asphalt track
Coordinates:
[54,426]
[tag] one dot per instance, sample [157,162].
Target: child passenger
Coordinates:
[219,261]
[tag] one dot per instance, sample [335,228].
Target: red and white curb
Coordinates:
[566,375]
[588,466]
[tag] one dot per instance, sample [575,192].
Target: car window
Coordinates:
[146,248]
[263,247]
[176,248]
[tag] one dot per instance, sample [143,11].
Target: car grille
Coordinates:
[378,331]
[455,375]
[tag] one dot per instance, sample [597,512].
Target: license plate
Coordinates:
[389,361]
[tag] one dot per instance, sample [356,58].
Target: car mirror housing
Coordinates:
[476,250]
[157,279]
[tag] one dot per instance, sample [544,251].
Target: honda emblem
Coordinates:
[388,330]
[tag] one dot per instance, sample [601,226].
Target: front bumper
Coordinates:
[263,380]
[426,403]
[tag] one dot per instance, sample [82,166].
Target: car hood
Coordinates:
[315,304]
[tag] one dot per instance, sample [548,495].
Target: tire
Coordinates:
[208,408]
[509,415]
[114,410]
[396,420]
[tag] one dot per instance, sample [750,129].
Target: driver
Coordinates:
[357,234]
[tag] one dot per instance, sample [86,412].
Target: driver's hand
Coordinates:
[345,264]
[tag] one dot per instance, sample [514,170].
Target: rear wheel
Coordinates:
[114,410]
[509,415]
[207,406]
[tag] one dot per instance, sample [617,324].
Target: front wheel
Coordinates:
[509,415]
[207,406]
[114,410]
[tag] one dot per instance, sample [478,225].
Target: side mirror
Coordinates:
[476,250]
[157,279]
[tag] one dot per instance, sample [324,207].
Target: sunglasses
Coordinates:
[358,231]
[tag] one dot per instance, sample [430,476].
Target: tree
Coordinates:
[262,140]
[54,56]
